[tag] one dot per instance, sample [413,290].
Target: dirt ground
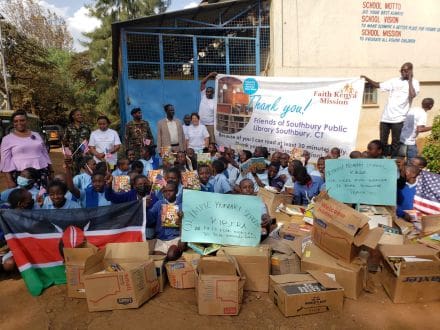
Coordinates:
[177,309]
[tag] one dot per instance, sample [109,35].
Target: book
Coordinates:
[204,158]
[121,183]
[190,180]
[170,216]
[157,180]
[165,150]
[204,249]
[296,153]
[258,162]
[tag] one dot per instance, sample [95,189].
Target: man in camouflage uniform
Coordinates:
[138,133]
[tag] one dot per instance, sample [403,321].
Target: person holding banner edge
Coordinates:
[402,91]
[207,106]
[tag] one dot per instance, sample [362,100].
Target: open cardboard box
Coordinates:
[302,294]
[411,273]
[340,230]
[130,287]
[290,213]
[273,200]
[75,259]
[182,273]
[219,286]
[350,276]
[254,263]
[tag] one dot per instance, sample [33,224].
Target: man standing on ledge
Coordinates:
[402,91]
[207,105]
[170,131]
[138,133]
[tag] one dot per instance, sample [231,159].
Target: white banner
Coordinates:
[314,114]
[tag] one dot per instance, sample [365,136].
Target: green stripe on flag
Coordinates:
[37,279]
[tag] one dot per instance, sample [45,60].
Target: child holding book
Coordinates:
[84,179]
[92,195]
[122,167]
[165,216]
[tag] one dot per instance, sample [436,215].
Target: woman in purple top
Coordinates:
[21,149]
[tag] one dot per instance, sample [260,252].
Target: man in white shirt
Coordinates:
[402,91]
[414,124]
[207,106]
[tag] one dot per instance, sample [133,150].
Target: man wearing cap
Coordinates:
[138,133]
[207,105]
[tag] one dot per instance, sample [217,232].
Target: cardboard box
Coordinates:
[129,288]
[290,214]
[340,230]
[219,286]
[415,277]
[290,231]
[350,276]
[377,215]
[273,200]
[302,294]
[159,264]
[285,264]
[182,273]
[75,259]
[254,263]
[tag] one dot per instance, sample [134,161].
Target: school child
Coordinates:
[309,167]
[306,186]
[320,168]
[335,153]
[244,156]
[405,195]
[167,238]
[141,188]
[355,154]
[91,196]
[219,182]
[173,175]
[272,175]
[375,149]
[137,166]
[182,163]
[149,159]
[212,150]
[419,161]
[28,179]
[21,199]
[247,188]
[204,172]
[122,167]
[84,179]
[191,154]
[231,172]
[57,197]
[130,155]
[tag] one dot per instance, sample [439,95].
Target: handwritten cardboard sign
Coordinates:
[367,181]
[221,218]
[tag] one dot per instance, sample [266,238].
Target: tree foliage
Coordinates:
[100,44]
[36,22]
[432,147]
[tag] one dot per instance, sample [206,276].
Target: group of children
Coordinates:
[222,173]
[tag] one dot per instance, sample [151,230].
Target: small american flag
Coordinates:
[85,146]
[427,198]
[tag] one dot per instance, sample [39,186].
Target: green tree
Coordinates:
[432,147]
[100,45]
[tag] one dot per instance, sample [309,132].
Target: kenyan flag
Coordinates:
[34,236]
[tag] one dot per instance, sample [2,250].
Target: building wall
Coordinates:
[346,38]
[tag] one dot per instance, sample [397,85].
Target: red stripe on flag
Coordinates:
[101,241]
[426,206]
[35,251]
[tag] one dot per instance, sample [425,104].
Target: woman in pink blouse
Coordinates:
[21,149]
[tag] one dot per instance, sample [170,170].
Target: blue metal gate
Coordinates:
[162,67]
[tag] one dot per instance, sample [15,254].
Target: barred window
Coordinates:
[370,95]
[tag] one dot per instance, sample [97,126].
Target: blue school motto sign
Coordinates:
[221,218]
[366,181]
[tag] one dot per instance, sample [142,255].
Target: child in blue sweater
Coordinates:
[167,238]
[405,194]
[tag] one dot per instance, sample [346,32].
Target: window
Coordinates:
[370,95]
